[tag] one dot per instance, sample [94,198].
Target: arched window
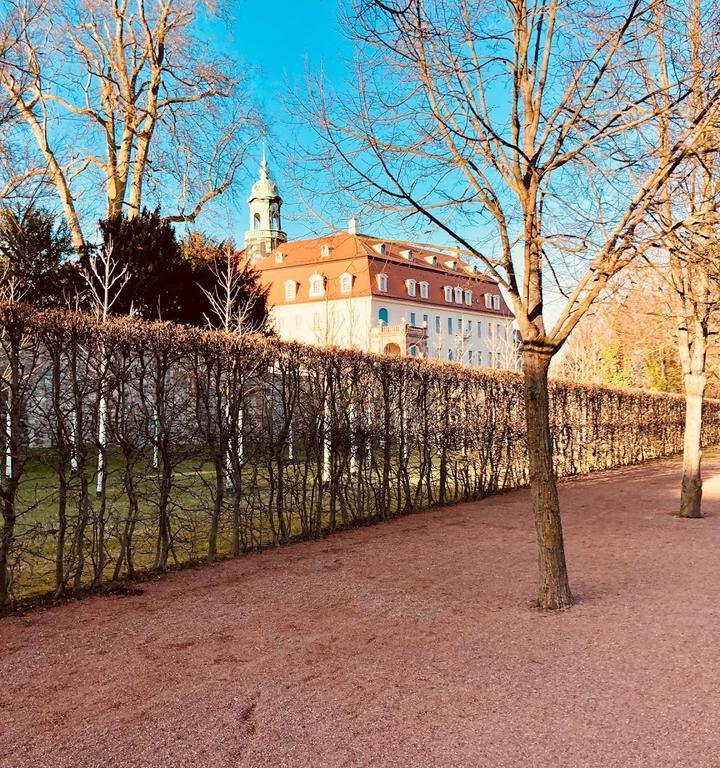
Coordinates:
[382,283]
[317,286]
[346,281]
[275,222]
[383,315]
[256,221]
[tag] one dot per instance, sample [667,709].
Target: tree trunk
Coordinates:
[691,491]
[554,588]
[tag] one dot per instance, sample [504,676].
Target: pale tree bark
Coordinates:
[506,113]
[126,96]
[689,255]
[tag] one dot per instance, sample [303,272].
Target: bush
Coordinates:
[134,446]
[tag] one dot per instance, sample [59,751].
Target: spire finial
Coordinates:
[263,164]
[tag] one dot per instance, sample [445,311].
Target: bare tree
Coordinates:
[689,258]
[125,95]
[231,305]
[506,114]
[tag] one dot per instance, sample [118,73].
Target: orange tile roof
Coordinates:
[364,257]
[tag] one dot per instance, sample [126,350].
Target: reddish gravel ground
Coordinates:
[412,643]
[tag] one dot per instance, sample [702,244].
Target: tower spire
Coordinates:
[264,173]
[265,233]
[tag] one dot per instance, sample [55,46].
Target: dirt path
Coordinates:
[411,643]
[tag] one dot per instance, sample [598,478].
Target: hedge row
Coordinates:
[132,446]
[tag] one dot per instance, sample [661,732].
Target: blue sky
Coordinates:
[277,42]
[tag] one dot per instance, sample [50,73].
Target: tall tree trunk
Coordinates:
[554,588]
[691,491]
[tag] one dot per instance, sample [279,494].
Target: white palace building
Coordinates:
[354,290]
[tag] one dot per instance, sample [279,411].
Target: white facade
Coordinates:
[335,322]
[471,338]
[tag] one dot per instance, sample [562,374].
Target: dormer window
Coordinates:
[317,286]
[290,290]
[279,257]
[380,248]
[448,292]
[410,287]
[468,298]
[407,254]
[451,265]
[423,289]
[324,251]
[382,283]
[488,301]
[432,260]
[458,295]
[346,281]
[496,302]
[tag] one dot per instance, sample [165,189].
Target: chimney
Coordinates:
[352,225]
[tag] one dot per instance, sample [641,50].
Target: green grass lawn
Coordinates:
[192,500]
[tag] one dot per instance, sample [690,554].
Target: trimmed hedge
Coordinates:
[133,446]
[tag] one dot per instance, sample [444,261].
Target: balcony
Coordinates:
[400,339]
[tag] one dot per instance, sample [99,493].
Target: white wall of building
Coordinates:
[339,322]
[454,333]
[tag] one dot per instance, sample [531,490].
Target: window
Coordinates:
[290,290]
[498,331]
[451,265]
[437,323]
[479,330]
[346,281]
[275,221]
[410,287]
[498,360]
[479,358]
[432,260]
[450,354]
[423,290]
[458,295]
[407,255]
[448,293]
[490,359]
[383,315]
[459,325]
[488,301]
[425,321]
[380,248]
[413,350]
[468,298]
[412,318]
[256,221]
[279,257]
[316,321]
[496,302]
[468,329]
[317,286]
[450,325]
[470,356]
[382,282]
[324,251]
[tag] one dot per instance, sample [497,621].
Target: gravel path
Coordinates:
[411,643]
